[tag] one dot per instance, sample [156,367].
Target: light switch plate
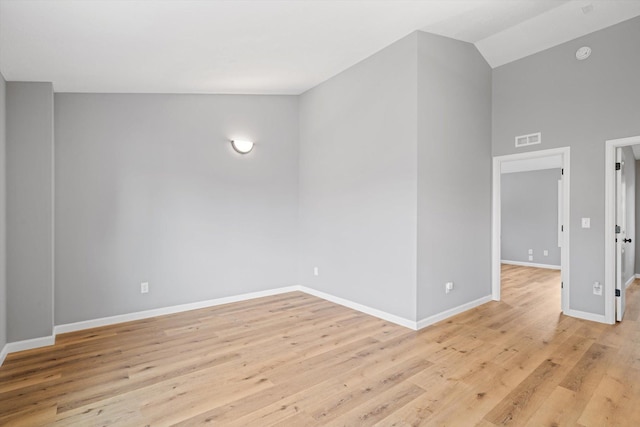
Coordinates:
[586,222]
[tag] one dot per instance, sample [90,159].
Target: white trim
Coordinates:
[610,223]
[3,354]
[531,264]
[630,281]
[398,320]
[94,323]
[452,312]
[12,347]
[104,321]
[586,315]
[121,318]
[637,276]
[496,229]
[496,218]
[362,308]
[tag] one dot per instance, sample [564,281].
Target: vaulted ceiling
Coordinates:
[262,46]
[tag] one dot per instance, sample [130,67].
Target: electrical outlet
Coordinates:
[315,271]
[530,257]
[448,287]
[597,288]
[586,222]
[530,251]
[144,287]
[546,252]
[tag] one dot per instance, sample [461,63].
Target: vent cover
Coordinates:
[531,139]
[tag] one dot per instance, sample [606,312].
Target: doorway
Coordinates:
[619,227]
[537,160]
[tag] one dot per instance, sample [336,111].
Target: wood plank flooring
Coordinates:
[296,360]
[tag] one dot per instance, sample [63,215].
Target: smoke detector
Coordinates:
[583,53]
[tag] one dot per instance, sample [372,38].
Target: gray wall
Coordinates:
[629,170]
[3,215]
[637,218]
[148,188]
[580,104]
[29,162]
[454,174]
[530,216]
[358,173]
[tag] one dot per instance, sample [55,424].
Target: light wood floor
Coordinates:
[296,360]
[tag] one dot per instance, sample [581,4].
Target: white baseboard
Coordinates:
[600,318]
[530,264]
[362,308]
[12,347]
[452,312]
[630,281]
[121,318]
[105,321]
[77,326]
[3,354]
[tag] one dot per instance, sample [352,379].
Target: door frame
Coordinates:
[497,220]
[610,224]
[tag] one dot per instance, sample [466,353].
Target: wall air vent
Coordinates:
[531,139]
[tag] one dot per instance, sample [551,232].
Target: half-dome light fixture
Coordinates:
[242,147]
[583,53]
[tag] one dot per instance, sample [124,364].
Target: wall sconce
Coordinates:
[242,147]
[583,53]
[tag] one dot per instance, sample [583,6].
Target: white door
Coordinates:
[621,236]
[563,300]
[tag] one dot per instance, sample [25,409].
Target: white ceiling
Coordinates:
[262,46]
